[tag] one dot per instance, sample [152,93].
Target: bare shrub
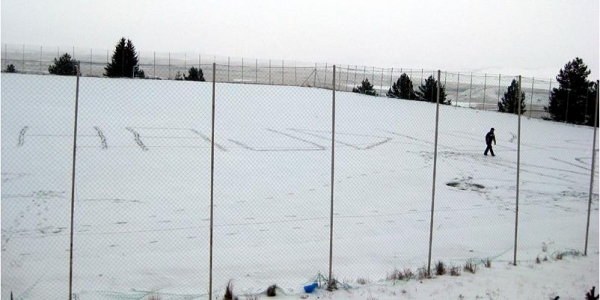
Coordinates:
[440,268]
[488,263]
[454,271]
[470,267]
[362,280]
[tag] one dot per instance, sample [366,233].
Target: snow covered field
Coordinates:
[142,201]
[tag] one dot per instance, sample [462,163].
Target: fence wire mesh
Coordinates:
[142,221]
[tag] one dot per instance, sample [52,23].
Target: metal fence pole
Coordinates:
[41,53]
[315,79]
[499,78]
[531,98]
[256,71]
[484,89]
[242,70]
[282,72]
[331,283]
[295,73]
[23,58]
[457,84]
[325,79]
[228,63]
[73,183]
[381,81]
[169,66]
[470,90]
[347,74]
[437,121]
[587,229]
[91,59]
[269,71]
[212,173]
[518,170]
[154,63]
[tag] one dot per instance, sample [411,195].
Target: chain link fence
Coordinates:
[473,90]
[293,179]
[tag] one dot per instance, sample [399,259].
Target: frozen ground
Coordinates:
[142,201]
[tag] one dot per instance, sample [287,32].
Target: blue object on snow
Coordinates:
[310,288]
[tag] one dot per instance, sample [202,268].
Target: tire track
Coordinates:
[136,137]
[22,136]
[369,146]
[102,137]
[206,138]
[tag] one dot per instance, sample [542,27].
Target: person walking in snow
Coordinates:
[489,138]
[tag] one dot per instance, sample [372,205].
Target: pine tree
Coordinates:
[124,62]
[11,68]
[428,91]
[509,101]
[195,74]
[365,88]
[65,65]
[568,102]
[402,88]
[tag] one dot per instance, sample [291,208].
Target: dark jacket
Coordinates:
[490,137]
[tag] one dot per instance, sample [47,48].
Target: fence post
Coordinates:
[331,281]
[457,84]
[499,78]
[24,58]
[228,63]
[315,79]
[391,78]
[242,70]
[437,120]
[373,77]
[256,71]
[484,89]
[73,183]
[169,66]
[295,73]
[91,59]
[41,53]
[381,81]
[587,229]
[347,74]
[531,98]
[470,89]
[325,80]
[269,71]
[212,173]
[282,72]
[154,63]
[518,169]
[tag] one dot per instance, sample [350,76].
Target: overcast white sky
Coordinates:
[527,37]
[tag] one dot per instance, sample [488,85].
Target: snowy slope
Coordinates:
[143,192]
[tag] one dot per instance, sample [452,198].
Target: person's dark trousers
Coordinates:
[489,148]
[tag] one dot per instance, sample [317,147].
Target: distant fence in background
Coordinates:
[473,90]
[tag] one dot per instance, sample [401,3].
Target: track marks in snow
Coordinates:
[208,139]
[383,139]
[136,137]
[22,136]
[103,143]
